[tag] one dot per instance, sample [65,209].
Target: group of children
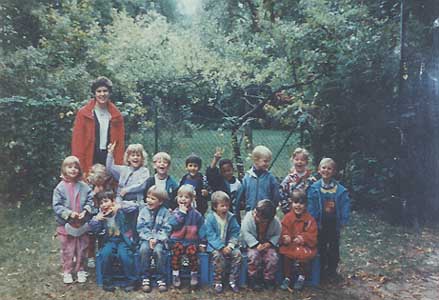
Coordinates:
[128,211]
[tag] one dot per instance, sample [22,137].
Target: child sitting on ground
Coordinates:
[188,235]
[258,183]
[298,241]
[197,180]
[260,232]
[72,203]
[299,178]
[131,176]
[222,179]
[222,231]
[329,204]
[154,229]
[162,162]
[118,240]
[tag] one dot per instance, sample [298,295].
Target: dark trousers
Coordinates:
[329,249]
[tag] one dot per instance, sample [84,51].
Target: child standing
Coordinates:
[298,241]
[300,178]
[72,202]
[258,182]
[260,232]
[162,162]
[329,204]
[197,180]
[188,233]
[131,176]
[118,238]
[154,229]
[222,179]
[222,231]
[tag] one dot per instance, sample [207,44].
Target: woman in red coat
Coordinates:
[298,241]
[98,124]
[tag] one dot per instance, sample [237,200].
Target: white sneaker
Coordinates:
[82,276]
[67,278]
[91,263]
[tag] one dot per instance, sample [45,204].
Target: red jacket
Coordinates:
[83,139]
[305,226]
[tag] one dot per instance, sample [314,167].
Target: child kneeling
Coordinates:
[118,238]
[298,241]
[222,230]
[154,230]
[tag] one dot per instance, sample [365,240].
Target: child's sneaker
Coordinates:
[234,286]
[194,278]
[82,276]
[300,282]
[146,285]
[67,278]
[91,263]
[218,288]
[162,286]
[285,284]
[176,282]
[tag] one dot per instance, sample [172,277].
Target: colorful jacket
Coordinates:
[84,135]
[294,182]
[130,179]
[305,226]
[154,225]
[213,234]
[249,232]
[127,234]
[342,204]
[61,201]
[254,189]
[171,188]
[187,228]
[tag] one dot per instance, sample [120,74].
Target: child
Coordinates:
[72,202]
[260,232]
[132,176]
[329,204]
[162,162]
[187,235]
[99,180]
[154,230]
[118,238]
[298,241]
[223,179]
[258,182]
[197,180]
[222,231]
[299,178]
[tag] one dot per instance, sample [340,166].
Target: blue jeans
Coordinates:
[160,254]
[119,250]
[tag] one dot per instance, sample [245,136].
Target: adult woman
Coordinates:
[98,124]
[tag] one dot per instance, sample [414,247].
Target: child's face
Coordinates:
[258,218]
[135,159]
[262,163]
[106,205]
[184,199]
[222,208]
[298,207]
[327,171]
[153,202]
[162,167]
[227,171]
[71,171]
[300,162]
[192,168]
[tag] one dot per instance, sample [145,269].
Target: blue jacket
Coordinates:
[171,187]
[342,204]
[213,234]
[254,189]
[154,226]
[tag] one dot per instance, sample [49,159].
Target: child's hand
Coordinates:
[74,215]
[111,147]
[123,192]
[202,248]
[100,216]
[227,250]
[262,247]
[183,208]
[299,240]
[286,239]
[204,193]
[218,153]
[82,214]
[152,243]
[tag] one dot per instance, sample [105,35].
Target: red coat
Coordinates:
[83,139]
[305,226]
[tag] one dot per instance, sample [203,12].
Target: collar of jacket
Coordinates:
[252,173]
[116,116]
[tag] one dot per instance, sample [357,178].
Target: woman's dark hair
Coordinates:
[193,159]
[266,210]
[225,161]
[101,81]
[104,194]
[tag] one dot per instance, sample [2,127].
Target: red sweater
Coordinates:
[83,139]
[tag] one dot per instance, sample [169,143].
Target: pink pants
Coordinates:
[73,252]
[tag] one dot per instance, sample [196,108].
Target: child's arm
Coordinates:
[165,229]
[274,185]
[96,224]
[143,220]
[177,219]
[313,199]
[310,234]
[213,238]
[274,231]
[247,231]
[140,183]
[235,230]
[240,198]
[115,170]
[58,204]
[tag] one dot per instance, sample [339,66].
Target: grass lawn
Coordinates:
[378,261]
